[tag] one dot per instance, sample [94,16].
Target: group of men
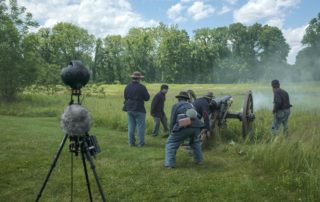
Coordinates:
[185,121]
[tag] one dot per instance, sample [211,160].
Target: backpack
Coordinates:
[185,120]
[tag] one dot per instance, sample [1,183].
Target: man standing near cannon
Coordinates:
[135,94]
[157,110]
[184,124]
[202,107]
[281,108]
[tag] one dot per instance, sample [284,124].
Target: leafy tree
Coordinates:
[139,48]
[312,36]
[18,62]
[238,36]
[114,50]
[71,42]
[99,61]
[245,47]
[49,73]
[58,46]
[205,54]
[158,34]
[254,50]
[45,45]
[274,52]
[236,53]
[308,59]
[233,70]
[108,65]
[174,55]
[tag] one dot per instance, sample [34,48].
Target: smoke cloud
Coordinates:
[262,100]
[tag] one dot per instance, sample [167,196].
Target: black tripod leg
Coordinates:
[93,167]
[71,174]
[86,173]
[53,164]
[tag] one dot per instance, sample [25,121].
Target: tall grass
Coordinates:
[295,160]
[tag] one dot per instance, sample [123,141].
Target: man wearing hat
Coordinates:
[281,108]
[157,110]
[135,94]
[202,107]
[180,133]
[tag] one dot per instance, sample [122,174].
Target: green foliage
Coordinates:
[174,55]
[168,54]
[18,58]
[312,35]
[139,52]
[231,54]
[57,47]
[274,54]
[206,49]
[71,42]
[308,60]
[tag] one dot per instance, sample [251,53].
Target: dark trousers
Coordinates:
[163,119]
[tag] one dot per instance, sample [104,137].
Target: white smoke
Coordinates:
[262,100]
[75,121]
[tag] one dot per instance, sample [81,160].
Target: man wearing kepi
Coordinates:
[202,107]
[281,108]
[157,110]
[135,94]
[184,124]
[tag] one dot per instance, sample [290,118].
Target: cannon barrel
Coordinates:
[216,102]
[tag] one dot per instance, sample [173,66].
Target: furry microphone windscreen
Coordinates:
[75,121]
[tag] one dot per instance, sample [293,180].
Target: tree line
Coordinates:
[230,54]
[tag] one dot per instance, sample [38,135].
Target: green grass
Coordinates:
[127,174]
[278,170]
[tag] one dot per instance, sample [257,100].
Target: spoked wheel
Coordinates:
[247,115]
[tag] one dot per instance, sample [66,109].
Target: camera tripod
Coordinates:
[87,146]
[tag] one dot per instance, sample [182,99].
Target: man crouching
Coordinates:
[184,124]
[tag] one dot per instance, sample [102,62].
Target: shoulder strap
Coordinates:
[175,113]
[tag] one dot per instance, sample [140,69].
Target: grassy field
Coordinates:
[281,170]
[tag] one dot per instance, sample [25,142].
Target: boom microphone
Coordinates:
[75,121]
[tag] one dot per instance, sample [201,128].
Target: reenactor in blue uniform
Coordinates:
[281,108]
[157,111]
[181,130]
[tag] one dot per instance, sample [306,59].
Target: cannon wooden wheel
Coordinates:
[247,115]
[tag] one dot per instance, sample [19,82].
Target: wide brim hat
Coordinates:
[209,95]
[136,75]
[183,94]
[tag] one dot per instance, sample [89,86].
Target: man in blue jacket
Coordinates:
[135,94]
[157,110]
[203,109]
[179,134]
[281,108]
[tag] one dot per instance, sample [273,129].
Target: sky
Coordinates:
[109,17]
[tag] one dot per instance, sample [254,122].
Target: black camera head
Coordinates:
[75,75]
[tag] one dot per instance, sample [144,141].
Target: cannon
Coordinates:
[219,113]
[219,108]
